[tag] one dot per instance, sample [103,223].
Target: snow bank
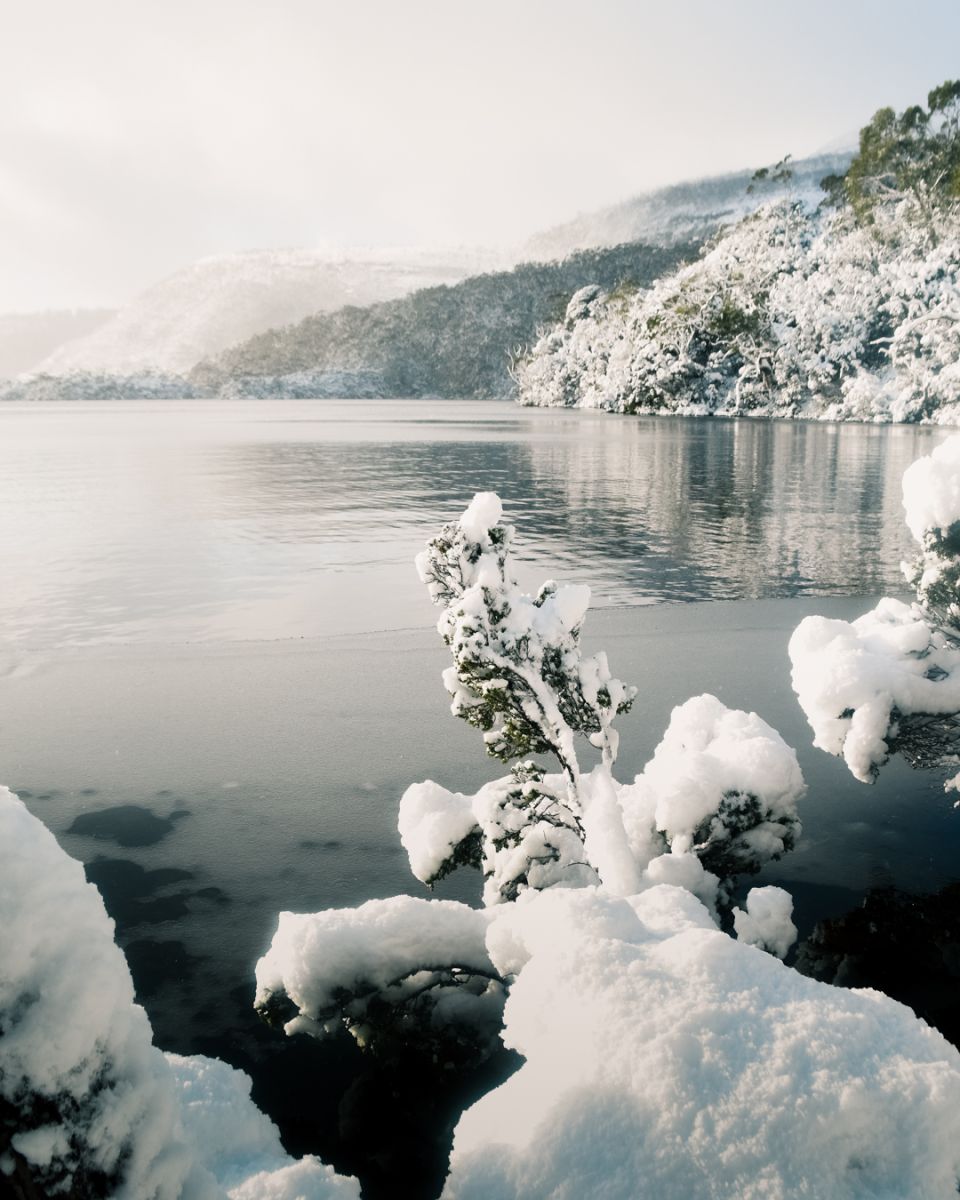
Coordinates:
[94,1100]
[664,1058]
[95,1106]
[239,1145]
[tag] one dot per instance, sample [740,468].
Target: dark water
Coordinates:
[219,673]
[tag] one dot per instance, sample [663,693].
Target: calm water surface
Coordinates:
[211,521]
[218,671]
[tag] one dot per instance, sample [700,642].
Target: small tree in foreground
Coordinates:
[717,800]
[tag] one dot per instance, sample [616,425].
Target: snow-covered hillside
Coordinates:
[222,300]
[686,211]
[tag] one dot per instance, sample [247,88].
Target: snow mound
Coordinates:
[675,1061]
[239,1145]
[96,1108]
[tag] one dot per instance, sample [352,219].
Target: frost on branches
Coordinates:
[718,800]
[849,312]
[889,682]
[789,314]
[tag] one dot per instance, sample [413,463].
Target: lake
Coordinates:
[219,671]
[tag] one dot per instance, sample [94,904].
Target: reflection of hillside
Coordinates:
[733,509]
[644,510]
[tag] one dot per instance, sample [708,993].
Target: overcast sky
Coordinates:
[138,135]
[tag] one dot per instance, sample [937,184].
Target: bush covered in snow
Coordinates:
[889,682]
[717,800]
[846,312]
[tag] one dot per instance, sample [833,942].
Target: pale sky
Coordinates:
[139,135]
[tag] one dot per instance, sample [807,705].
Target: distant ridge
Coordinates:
[682,212]
[222,300]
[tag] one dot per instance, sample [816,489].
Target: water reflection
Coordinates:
[212,521]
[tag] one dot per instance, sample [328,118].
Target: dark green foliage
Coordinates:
[445,341]
[732,321]
[721,842]
[770,176]
[467,853]
[915,153]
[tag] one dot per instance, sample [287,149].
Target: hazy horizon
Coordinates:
[135,142]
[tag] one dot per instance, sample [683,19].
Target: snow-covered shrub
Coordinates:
[722,785]
[767,920]
[397,969]
[889,682]
[88,1105]
[718,800]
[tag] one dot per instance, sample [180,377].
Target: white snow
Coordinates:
[931,489]
[767,921]
[481,514]
[711,762]
[664,1058]
[850,677]
[222,300]
[334,962]
[791,312]
[432,823]
[74,1046]
[239,1145]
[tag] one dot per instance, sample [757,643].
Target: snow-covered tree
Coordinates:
[889,682]
[718,800]
[849,312]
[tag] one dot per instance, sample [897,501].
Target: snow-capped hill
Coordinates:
[684,211]
[219,301]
